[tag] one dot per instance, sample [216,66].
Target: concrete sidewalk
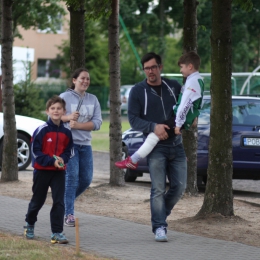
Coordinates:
[126,240]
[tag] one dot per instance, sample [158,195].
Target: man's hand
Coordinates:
[159,130]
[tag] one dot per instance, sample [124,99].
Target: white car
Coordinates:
[25,127]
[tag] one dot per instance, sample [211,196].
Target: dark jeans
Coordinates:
[42,180]
[165,162]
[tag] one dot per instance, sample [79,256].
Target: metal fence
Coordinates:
[101,92]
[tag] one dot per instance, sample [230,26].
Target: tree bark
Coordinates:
[190,25]
[77,35]
[9,150]
[162,43]
[218,195]
[115,129]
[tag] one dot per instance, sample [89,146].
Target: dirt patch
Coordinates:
[132,203]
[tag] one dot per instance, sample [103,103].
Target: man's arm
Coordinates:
[135,110]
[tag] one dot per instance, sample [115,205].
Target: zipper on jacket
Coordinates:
[163,106]
[57,140]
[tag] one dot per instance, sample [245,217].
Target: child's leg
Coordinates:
[58,209]
[41,180]
[150,142]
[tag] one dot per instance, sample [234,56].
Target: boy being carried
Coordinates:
[186,110]
[52,147]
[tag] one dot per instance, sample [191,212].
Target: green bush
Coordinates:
[28,101]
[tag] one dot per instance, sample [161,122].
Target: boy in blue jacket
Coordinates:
[52,147]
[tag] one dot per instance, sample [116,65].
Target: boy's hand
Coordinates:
[177,130]
[195,122]
[59,163]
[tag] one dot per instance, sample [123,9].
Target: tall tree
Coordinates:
[96,60]
[190,25]
[77,33]
[36,14]
[218,195]
[115,129]
[9,159]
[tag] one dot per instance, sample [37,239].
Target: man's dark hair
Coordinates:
[55,99]
[151,55]
[190,58]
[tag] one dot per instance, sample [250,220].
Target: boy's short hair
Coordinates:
[151,55]
[190,58]
[55,99]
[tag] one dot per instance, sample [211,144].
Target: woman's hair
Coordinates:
[75,75]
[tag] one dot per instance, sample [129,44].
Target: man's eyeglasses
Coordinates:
[154,67]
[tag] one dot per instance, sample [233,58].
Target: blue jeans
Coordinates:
[166,161]
[79,174]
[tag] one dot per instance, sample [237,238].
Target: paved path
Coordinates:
[123,239]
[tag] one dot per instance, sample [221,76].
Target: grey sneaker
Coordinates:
[69,220]
[29,231]
[59,238]
[160,234]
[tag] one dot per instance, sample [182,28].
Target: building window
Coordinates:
[48,68]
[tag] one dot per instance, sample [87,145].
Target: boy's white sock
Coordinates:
[135,157]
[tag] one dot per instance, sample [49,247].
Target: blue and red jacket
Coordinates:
[48,140]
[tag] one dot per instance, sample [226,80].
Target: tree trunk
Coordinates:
[190,25]
[9,151]
[162,44]
[115,129]
[77,35]
[218,195]
[143,7]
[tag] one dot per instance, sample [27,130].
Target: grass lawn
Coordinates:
[15,247]
[100,139]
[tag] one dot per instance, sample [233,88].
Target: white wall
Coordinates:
[22,57]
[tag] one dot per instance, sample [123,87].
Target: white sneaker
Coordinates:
[160,235]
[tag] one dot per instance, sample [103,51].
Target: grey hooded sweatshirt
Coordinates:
[89,109]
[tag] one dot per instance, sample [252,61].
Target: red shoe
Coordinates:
[127,163]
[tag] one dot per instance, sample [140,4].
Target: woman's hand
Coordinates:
[73,124]
[74,116]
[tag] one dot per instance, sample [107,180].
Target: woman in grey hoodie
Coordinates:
[83,115]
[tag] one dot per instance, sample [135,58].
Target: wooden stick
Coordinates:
[77,235]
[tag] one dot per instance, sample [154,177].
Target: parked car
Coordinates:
[124,92]
[25,128]
[245,140]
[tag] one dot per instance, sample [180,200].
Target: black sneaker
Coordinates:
[59,238]
[29,231]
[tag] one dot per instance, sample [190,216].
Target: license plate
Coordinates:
[251,141]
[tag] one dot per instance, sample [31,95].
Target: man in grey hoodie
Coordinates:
[150,104]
